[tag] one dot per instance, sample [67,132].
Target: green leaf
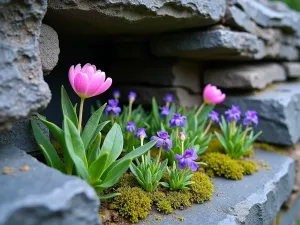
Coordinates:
[91,127]
[155,111]
[93,151]
[97,167]
[109,196]
[47,147]
[67,107]
[47,157]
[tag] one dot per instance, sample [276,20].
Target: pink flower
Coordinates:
[88,81]
[212,95]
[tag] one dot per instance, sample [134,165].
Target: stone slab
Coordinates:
[292,69]
[22,87]
[21,135]
[94,18]
[281,51]
[42,195]
[245,76]
[278,110]
[255,199]
[290,216]
[49,48]
[158,71]
[209,45]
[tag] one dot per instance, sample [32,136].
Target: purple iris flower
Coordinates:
[130,127]
[187,159]
[177,120]
[233,113]
[140,133]
[132,96]
[165,111]
[250,117]
[168,98]
[113,107]
[163,139]
[214,116]
[116,94]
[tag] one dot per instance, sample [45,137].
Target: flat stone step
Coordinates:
[256,199]
[291,215]
[32,193]
[278,110]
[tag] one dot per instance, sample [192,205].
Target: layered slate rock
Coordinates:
[49,48]
[255,199]
[22,87]
[292,69]
[35,194]
[278,111]
[212,44]
[245,76]
[291,215]
[157,72]
[135,16]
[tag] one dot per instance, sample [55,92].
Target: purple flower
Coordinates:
[164,111]
[168,98]
[116,94]
[140,133]
[113,107]
[250,117]
[130,127]
[214,116]
[187,159]
[163,139]
[177,120]
[132,96]
[233,113]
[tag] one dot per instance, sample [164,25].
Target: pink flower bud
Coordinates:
[181,136]
[212,95]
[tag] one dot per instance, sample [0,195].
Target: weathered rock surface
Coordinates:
[22,88]
[35,194]
[157,72]
[278,111]
[280,50]
[292,69]
[214,44]
[290,216]
[21,135]
[134,16]
[49,48]
[245,76]
[255,199]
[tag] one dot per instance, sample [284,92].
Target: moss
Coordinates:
[215,146]
[249,167]
[127,180]
[202,189]
[222,165]
[179,199]
[133,203]
[164,206]
[270,148]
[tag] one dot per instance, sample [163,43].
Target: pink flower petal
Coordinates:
[104,86]
[95,83]
[71,76]
[89,71]
[78,68]
[95,69]
[85,67]
[81,84]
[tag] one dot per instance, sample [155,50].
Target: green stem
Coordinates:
[176,132]
[80,114]
[182,175]
[182,147]
[129,111]
[112,118]
[168,104]
[232,124]
[245,133]
[199,110]
[159,155]
[207,128]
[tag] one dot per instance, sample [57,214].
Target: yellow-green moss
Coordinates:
[249,167]
[179,199]
[164,206]
[202,189]
[127,180]
[133,203]
[215,146]
[270,148]
[222,165]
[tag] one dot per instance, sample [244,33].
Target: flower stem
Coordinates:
[199,110]
[159,155]
[80,114]
[129,110]
[207,128]
[176,132]
[245,133]
[182,147]
[112,118]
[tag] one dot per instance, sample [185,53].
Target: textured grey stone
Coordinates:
[158,72]
[280,50]
[292,69]
[22,88]
[131,16]
[21,135]
[42,195]
[213,44]
[246,76]
[278,110]
[254,200]
[291,215]
[49,48]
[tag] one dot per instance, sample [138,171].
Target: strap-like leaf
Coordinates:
[93,151]
[97,167]
[67,107]
[108,196]
[91,127]
[98,130]
[155,111]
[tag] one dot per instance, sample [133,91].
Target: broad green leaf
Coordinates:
[108,196]
[43,141]
[97,167]
[67,107]
[93,151]
[98,130]
[91,127]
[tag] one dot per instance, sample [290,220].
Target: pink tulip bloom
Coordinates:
[88,81]
[212,95]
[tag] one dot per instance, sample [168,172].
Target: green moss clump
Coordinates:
[164,206]
[133,203]
[202,189]
[223,165]
[249,167]
[127,180]
[215,146]
[179,199]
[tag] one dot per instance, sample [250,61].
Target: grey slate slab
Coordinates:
[254,200]
[290,216]
[42,195]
